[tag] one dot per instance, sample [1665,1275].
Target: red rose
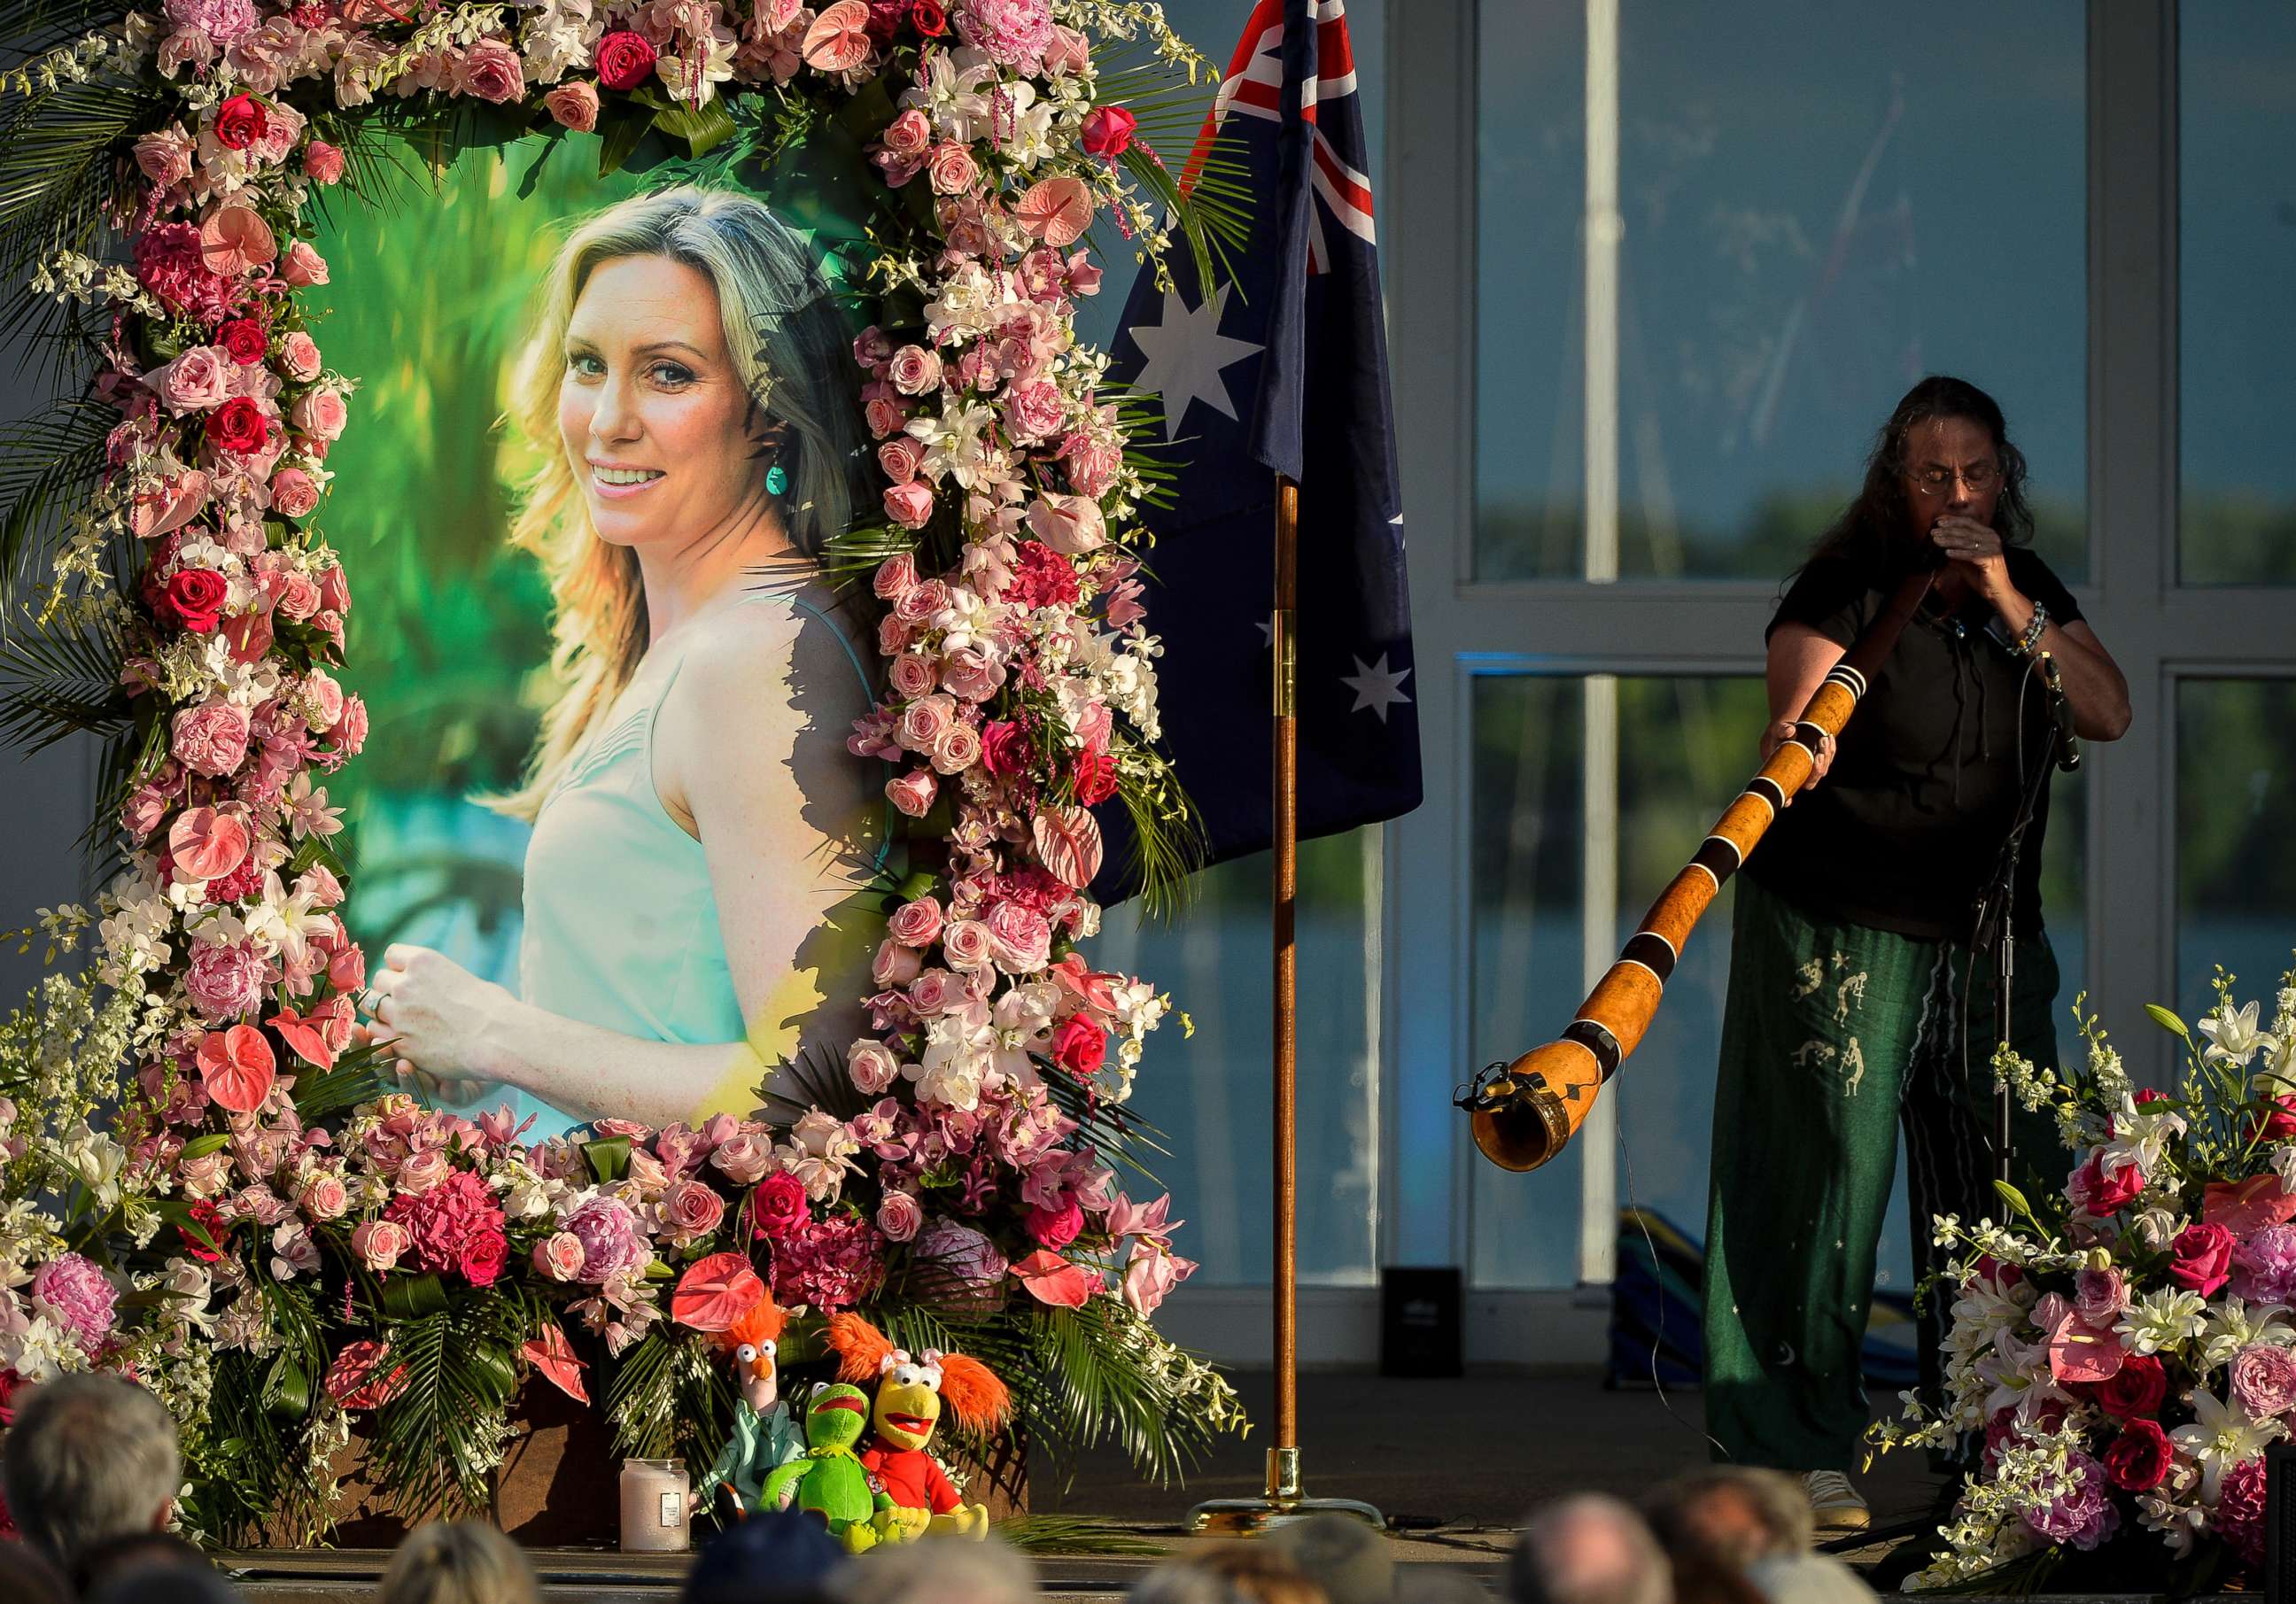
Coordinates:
[1108,130]
[928,17]
[1079,1046]
[196,596]
[2200,1260]
[237,426]
[2134,1391]
[483,1255]
[2099,1191]
[1095,777]
[779,1205]
[242,337]
[625,59]
[2139,1458]
[238,122]
[1004,747]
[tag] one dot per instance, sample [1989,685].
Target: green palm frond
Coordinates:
[34,27]
[818,1080]
[49,463]
[435,1442]
[60,175]
[1074,1534]
[1113,1129]
[1105,1393]
[55,682]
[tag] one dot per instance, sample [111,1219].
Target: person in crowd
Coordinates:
[1731,1530]
[89,1458]
[1355,1565]
[161,1582]
[779,1556]
[458,1562]
[138,1551]
[939,1570]
[1859,999]
[28,1577]
[1258,1574]
[1588,1549]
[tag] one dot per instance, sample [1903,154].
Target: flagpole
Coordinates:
[1285,1501]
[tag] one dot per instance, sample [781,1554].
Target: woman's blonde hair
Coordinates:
[458,1562]
[789,343]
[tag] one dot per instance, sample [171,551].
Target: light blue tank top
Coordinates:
[621,922]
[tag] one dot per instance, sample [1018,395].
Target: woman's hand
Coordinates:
[1977,548]
[433,1014]
[1775,736]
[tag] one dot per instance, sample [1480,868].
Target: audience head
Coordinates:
[458,1562]
[160,1554]
[1262,1575]
[27,1575]
[1347,1558]
[939,1570]
[88,1457]
[1587,1549]
[164,1582]
[1733,1515]
[781,1557]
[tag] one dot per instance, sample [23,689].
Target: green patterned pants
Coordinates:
[1834,1035]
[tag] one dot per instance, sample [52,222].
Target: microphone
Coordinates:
[2061,713]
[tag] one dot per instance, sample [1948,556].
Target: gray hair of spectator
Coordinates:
[89,1457]
[939,1570]
[458,1562]
[1588,1549]
[1178,1582]
[1349,1561]
[1778,1500]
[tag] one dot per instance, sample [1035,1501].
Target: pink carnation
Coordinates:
[171,263]
[224,980]
[74,1294]
[2264,1380]
[2240,1509]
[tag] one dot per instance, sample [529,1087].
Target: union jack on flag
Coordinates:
[1279,366]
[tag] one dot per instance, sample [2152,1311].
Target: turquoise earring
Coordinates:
[776,479]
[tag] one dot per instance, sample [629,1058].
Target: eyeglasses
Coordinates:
[1980,477]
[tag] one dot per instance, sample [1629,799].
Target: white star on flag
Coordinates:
[1377,688]
[1268,631]
[1185,354]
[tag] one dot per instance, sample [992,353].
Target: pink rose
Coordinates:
[224,980]
[2200,1259]
[165,157]
[1034,411]
[916,923]
[299,596]
[883,415]
[1056,1227]
[900,1216]
[1004,748]
[209,738]
[294,493]
[208,843]
[900,458]
[912,675]
[574,105]
[323,162]
[322,413]
[744,1158]
[418,1173]
[1071,525]
[693,1207]
[322,701]
[1150,1275]
[334,589]
[300,355]
[1108,130]
[936,992]
[967,945]
[2264,1380]
[303,265]
[915,370]
[913,793]
[895,965]
[1068,53]
[325,1199]
[197,380]
[951,169]
[558,1255]
[872,1067]
[895,576]
[2099,1296]
[909,134]
[491,69]
[921,602]
[957,750]
[1020,936]
[910,505]
[379,1243]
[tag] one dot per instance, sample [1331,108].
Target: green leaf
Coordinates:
[413,1296]
[609,1160]
[287,1389]
[702,129]
[621,127]
[2169,1022]
[200,1147]
[179,1215]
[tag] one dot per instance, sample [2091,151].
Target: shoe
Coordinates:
[1838,1506]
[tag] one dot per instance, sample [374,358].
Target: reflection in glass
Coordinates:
[1211,1094]
[1809,217]
[2236,849]
[1685,747]
[2236,335]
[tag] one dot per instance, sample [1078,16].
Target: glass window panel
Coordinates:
[2237,333]
[1816,207]
[1211,1095]
[2235,837]
[1685,747]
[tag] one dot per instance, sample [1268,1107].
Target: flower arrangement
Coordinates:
[203,1181]
[2121,1353]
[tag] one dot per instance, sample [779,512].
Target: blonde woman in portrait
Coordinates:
[701,833]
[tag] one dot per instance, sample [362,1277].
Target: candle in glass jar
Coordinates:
[654,1495]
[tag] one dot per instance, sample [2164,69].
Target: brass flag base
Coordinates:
[1284,1505]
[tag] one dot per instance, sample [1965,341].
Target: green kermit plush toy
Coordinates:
[830,1481]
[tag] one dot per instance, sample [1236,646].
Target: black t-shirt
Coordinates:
[1906,829]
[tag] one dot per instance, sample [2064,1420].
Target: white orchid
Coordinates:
[2220,1437]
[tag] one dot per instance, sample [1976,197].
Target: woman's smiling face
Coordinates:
[659,429]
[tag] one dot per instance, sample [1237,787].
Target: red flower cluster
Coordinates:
[455,1225]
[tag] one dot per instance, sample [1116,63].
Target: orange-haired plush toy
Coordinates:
[765,1438]
[911,1394]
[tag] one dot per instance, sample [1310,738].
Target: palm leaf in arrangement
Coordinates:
[1074,1534]
[34,27]
[1113,1129]
[55,682]
[433,1443]
[818,1079]
[60,176]
[1106,1395]
[49,463]
[641,1397]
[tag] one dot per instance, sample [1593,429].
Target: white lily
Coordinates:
[2220,1437]
[2233,1036]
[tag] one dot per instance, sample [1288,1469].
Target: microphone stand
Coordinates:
[1995,922]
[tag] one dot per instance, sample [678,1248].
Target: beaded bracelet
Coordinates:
[2030,641]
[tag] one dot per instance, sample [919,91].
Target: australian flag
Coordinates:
[1281,369]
